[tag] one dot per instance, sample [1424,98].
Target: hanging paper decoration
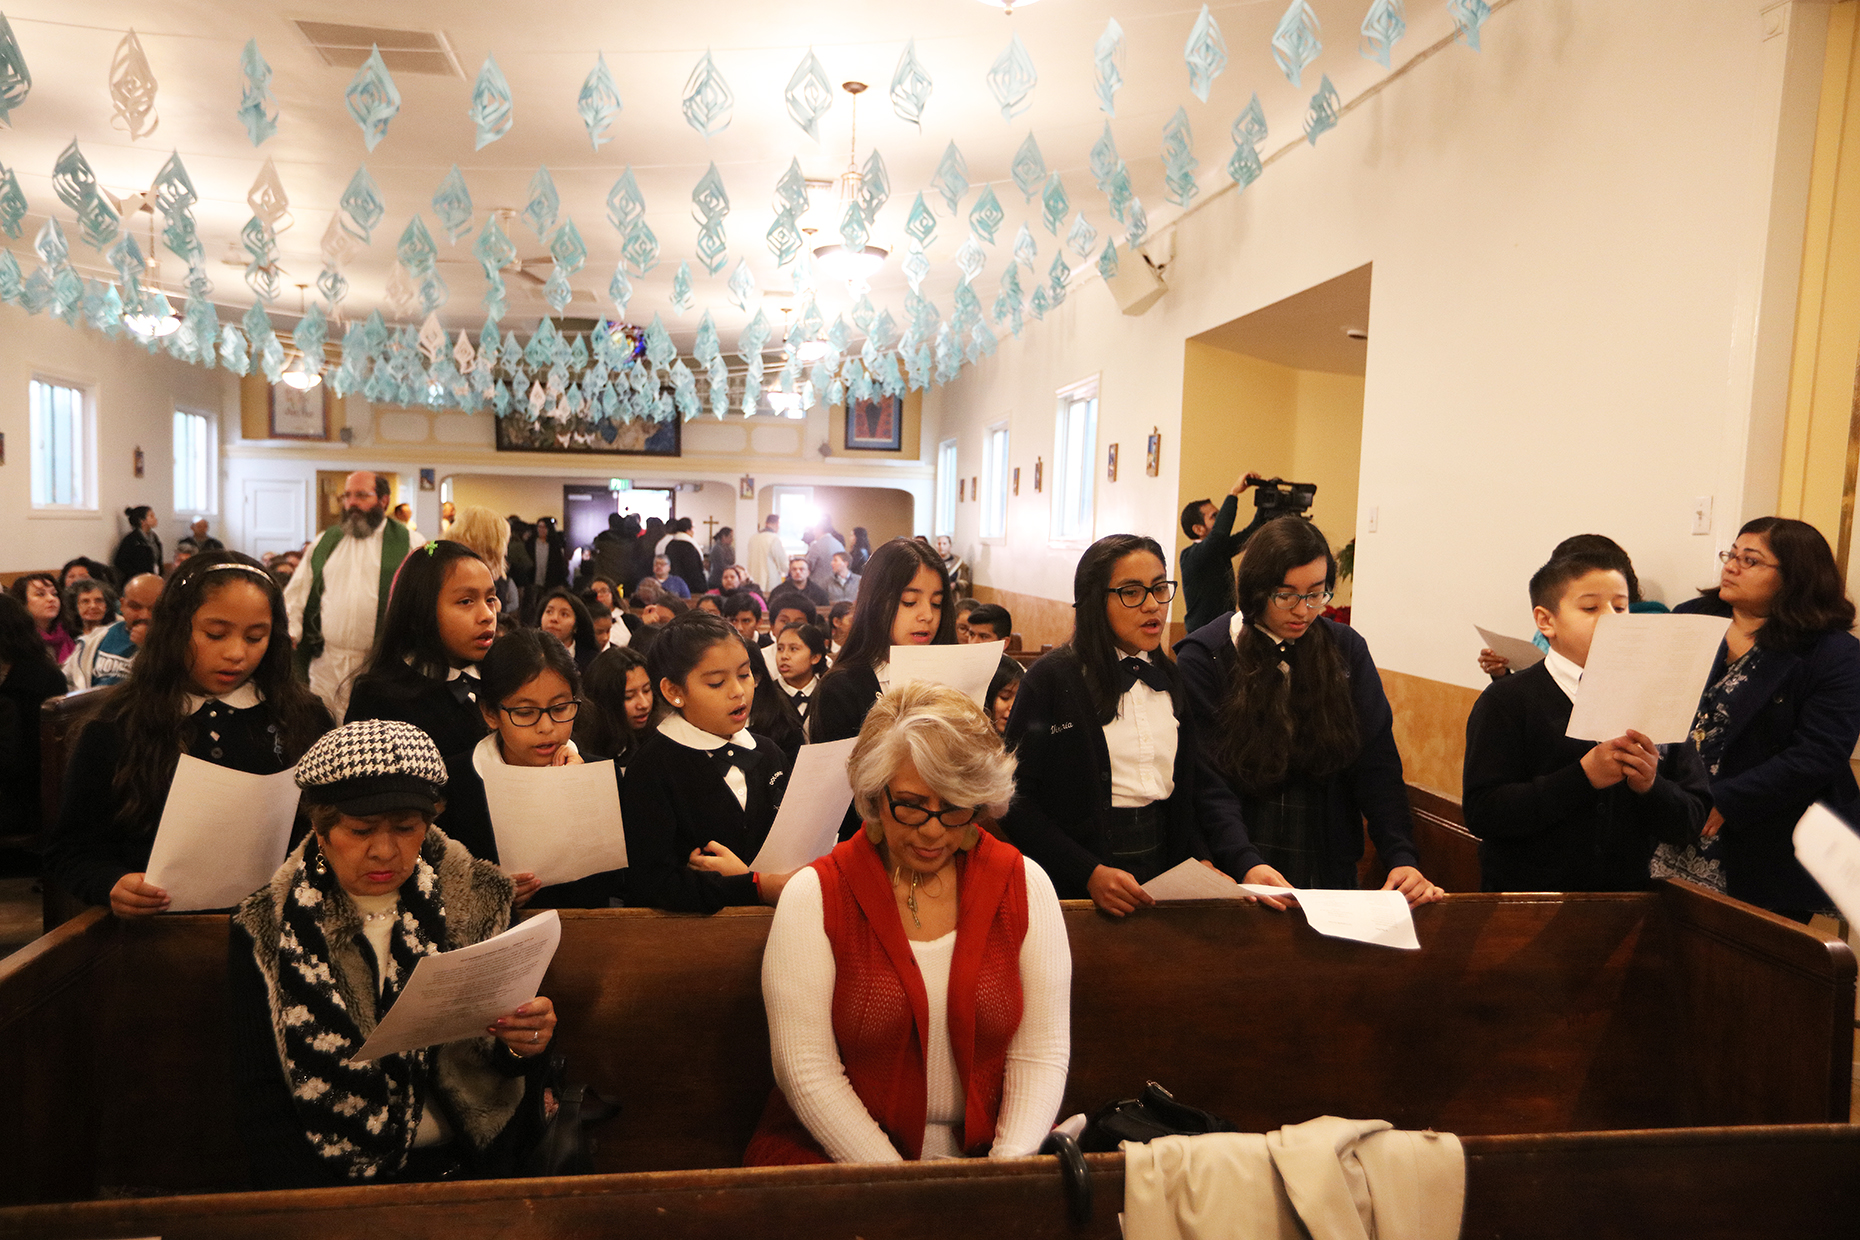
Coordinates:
[493,250]
[372,98]
[1107,262]
[362,207]
[910,87]
[708,103]
[952,177]
[1082,237]
[1383,27]
[620,289]
[1028,168]
[809,95]
[1136,223]
[1322,116]
[874,185]
[491,107]
[1012,79]
[544,203]
[452,206]
[1026,249]
[567,250]
[641,248]
[791,190]
[258,110]
[53,250]
[970,260]
[415,249]
[1058,276]
[1104,160]
[1205,53]
[72,178]
[333,286]
[1054,204]
[338,246]
[599,103]
[268,200]
[742,285]
[1120,192]
[1108,67]
[15,78]
[853,228]
[132,89]
[13,203]
[626,206]
[97,220]
[1295,44]
[784,238]
[1250,125]
[1244,166]
[709,196]
[920,224]
[1468,16]
[262,272]
[1179,162]
[986,215]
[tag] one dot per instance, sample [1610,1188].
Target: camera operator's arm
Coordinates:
[1222,535]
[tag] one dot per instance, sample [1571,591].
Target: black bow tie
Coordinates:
[727,756]
[464,689]
[1133,669]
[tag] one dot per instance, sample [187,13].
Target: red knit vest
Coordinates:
[881,1012]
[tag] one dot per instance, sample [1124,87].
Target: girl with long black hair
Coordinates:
[566,618]
[904,600]
[1105,745]
[1295,731]
[213,679]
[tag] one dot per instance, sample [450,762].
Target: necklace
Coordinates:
[910,897]
[384,915]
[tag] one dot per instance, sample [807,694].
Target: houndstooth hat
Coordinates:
[373,767]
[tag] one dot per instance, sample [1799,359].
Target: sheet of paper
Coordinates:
[967,669]
[808,824]
[1645,672]
[1830,851]
[1192,881]
[1380,917]
[457,994]
[1520,654]
[223,834]
[559,823]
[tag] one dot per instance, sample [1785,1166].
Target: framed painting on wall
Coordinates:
[875,425]
[606,437]
[299,415]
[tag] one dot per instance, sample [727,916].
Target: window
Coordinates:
[995,482]
[946,488]
[60,437]
[1075,447]
[193,462]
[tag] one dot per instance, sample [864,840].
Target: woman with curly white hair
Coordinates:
[917,977]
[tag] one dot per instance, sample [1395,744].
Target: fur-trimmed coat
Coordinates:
[476,1084]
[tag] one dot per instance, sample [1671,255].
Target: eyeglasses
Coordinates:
[1133,595]
[1743,559]
[909,815]
[530,716]
[1286,600]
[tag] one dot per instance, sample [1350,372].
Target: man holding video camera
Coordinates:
[1208,561]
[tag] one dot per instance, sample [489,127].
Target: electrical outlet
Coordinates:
[1375,519]
[1701,514]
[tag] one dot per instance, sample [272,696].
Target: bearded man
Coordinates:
[335,604]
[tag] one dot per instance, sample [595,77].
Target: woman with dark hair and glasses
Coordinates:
[1777,722]
[1100,728]
[1296,735]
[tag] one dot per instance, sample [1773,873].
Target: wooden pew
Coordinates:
[59,721]
[1522,1014]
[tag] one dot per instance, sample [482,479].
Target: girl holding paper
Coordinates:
[903,601]
[1101,732]
[320,952]
[213,679]
[702,793]
[530,696]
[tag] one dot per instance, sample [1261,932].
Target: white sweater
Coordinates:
[797,986]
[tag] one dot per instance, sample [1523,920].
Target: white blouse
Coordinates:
[1142,741]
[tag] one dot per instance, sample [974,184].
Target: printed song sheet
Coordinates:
[967,669]
[223,833]
[1379,917]
[1517,652]
[1193,881]
[808,824]
[559,823]
[457,994]
[1646,673]
[1830,851]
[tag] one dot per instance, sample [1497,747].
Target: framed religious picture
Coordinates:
[1038,465]
[1110,464]
[139,462]
[875,425]
[1016,487]
[745,487]
[1152,461]
[962,490]
[429,479]
[299,415]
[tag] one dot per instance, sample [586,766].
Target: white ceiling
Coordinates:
[546,51]
[1306,331]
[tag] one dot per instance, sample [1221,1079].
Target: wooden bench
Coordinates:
[60,718]
[1522,1014]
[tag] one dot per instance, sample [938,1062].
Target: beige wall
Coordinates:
[531,497]
[885,513]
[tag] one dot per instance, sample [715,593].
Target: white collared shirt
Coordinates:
[1564,672]
[805,694]
[677,728]
[244,697]
[1142,743]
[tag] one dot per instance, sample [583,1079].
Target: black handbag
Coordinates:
[561,1146]
[1155,1113]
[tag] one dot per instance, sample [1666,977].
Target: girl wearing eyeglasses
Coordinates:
[1106,789]
[702,792]
[529,694]
[1296,734]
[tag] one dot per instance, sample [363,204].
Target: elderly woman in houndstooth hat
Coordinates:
[319,954]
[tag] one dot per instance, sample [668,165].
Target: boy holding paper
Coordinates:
[1558,814]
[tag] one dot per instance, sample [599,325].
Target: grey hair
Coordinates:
[942,733]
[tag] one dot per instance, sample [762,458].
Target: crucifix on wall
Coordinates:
[710,526]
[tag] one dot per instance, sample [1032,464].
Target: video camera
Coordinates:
[1282,498]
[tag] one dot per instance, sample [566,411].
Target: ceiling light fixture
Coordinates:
[838,262]
[1007,7]
[300,376]
[155,317]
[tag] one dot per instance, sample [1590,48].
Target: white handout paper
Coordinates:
[1379,917]
[1193,881]
[808,824]
[559,823]
[223,834]
[1516,652]
[457,994]
[1830,851]
[967,669]
[1646,673]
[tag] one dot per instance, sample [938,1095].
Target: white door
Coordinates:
[277,515]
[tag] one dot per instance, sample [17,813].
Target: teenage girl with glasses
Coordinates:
[1295,731]
[1105,746]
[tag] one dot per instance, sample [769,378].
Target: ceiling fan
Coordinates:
[535,270]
